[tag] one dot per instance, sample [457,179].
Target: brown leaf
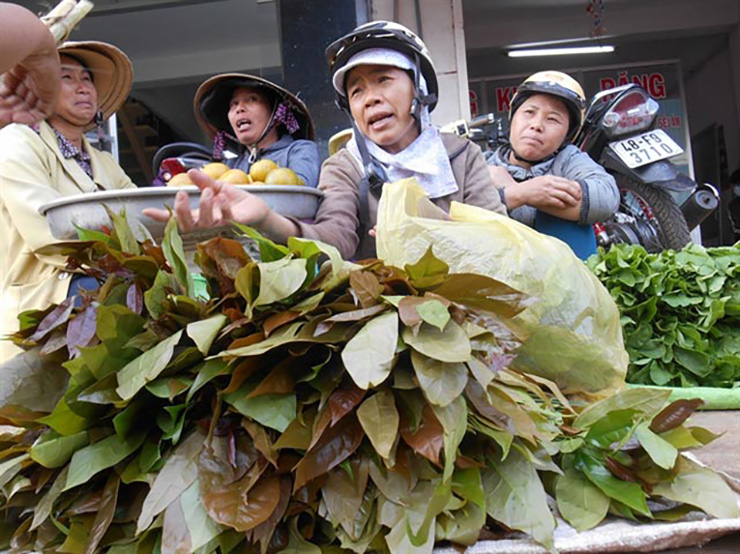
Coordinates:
[58,316]
[429,438]
[407,310]
[104,516]
[344,399]
[321,423]
[279,380]
[297,435]
[620,470]
[674,414]
[335,446]
[242,372]
[261,440]
[278,320]
[241,504]
[477,397]
[365,287]
[345,317]
[264,531]
[483,293]
[175,535]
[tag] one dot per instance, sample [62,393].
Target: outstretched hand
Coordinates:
[219,205]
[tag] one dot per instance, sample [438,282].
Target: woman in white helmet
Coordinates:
[544,180]
[385,80]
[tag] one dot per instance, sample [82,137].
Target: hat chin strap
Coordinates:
[271,123]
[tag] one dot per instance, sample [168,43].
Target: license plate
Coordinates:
[645,148]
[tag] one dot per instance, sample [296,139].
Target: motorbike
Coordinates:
[659,205]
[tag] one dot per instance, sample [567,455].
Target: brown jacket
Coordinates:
[338,220]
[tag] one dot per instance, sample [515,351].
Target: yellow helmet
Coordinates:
[339,140]
[555,83]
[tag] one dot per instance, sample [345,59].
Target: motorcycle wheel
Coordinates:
[658,221]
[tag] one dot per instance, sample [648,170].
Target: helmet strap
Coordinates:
[535,162]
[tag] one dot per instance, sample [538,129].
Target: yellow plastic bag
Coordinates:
[576,336]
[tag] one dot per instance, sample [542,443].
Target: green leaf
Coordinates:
[434,313]
[451,345]
[174,253]
[515,497]
[379,419]
[467,484]
[284,335]
[701,487]
[580,502]
[279,279]
[440,382]
[269,251]
[56,451]
[660,451]
[180,471]
[630,494]
[64,421]
[275,411]
[137,373]
[646,401]
[46,503]
[123,232]
[205,332]
[368,356]
[453,419]
[201,527]
[428,271]
[696,362]
[106,453]
[205,373]
[154,298]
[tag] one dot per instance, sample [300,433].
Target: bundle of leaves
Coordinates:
[311,408]
[680,312]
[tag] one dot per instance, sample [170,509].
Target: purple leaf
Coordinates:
[58,316]
[134,299]
[81,329]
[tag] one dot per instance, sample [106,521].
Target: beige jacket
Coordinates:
[338,219]
[33,171]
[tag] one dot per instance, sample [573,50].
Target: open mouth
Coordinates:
[243,124]
[378,120]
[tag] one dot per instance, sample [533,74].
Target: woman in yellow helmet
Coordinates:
[544,180]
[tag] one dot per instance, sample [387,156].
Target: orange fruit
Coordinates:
[215,170]
[180,180]
[259,170]
[235,177]
[283,176]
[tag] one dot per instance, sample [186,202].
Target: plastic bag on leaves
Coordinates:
[576,336]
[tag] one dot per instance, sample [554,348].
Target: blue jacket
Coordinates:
[600,193]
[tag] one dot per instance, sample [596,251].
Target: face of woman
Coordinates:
[380,99]
[77,102]
[249,114]
[539,126]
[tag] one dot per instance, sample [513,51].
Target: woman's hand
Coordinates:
[546,193]
[221,204]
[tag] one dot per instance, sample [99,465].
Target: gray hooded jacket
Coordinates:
[600,193]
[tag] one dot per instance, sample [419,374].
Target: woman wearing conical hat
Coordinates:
[47,161]
[261,120]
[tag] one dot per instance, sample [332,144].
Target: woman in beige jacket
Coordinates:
[50,160]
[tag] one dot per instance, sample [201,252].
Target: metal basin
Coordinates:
[88,210]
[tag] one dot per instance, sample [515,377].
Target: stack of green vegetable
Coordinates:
[680,312]
[313,408]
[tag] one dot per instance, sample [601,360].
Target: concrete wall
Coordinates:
[442,31]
